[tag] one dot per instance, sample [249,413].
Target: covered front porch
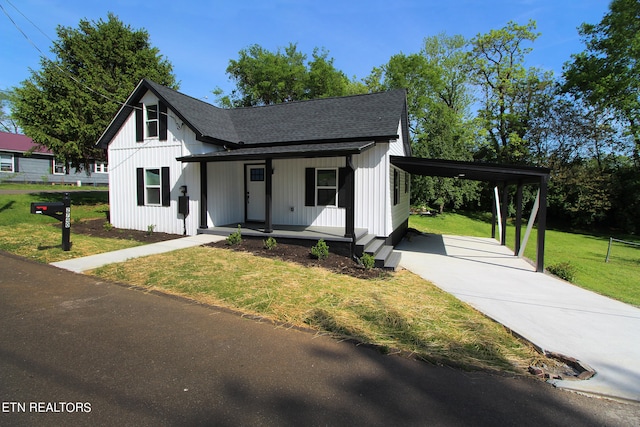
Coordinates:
[254,229]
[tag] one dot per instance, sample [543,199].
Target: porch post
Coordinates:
[203,195]
[350,189]
[542,224]
[518,217]
[268,221]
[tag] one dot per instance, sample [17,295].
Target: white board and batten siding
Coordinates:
[375,210]
[126,155]
[226,204]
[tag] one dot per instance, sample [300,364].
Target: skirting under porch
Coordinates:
[335,234]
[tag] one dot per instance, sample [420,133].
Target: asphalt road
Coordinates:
[115,355]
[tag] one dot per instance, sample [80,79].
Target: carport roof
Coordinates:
[471,170]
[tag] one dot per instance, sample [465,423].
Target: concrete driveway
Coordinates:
[552,314]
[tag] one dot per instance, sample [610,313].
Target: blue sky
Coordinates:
[200,37]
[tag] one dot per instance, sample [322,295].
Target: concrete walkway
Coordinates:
[552,314]
[91,262]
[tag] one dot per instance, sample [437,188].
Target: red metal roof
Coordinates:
[19,143]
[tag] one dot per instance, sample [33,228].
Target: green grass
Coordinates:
[37,236]
[48,187]
[619,279]
[400,312]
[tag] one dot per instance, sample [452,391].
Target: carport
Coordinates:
[501,178]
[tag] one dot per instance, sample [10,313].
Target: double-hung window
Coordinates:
[152,121]
[6,162]
[153,186]
[59,168]
[101,167]
[326,187]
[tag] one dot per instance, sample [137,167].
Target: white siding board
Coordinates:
[126,155]
[372,189]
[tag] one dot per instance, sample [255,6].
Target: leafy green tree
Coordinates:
[607,73]
[69,102]
[439,98]
[509,91]
[263,77]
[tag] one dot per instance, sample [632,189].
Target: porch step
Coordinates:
[384,255]
[393,262]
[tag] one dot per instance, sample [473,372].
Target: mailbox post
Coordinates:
[60,211]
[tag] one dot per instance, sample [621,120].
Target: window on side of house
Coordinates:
[6,163]
[101,167]
[152,187]
[406,182]
[59,168]
[152,120]
[326,187]
[396,187]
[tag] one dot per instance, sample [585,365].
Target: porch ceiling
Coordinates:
[328,149]
[471,170]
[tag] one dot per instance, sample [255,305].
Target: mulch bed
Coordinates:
[293,250]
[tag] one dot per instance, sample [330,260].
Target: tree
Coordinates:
[439,98]
[7,123]
[69,102]
[607,73]
[263,77]
[509,91]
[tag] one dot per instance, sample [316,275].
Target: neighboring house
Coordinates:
[320,166]
[23,161]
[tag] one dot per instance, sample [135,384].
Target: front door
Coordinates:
[255,193]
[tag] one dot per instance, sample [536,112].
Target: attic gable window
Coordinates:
[152,121]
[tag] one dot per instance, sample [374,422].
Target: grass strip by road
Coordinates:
[400,312]
[36,237]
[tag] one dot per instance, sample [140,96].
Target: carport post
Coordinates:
[518,217]
[505,211]
[542,224]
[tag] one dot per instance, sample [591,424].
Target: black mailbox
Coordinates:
[60,211]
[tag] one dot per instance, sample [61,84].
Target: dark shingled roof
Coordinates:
[369,117]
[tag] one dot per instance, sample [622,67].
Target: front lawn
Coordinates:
[39,237]
[400,312]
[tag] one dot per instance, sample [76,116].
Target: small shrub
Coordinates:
[107,226]
[564,270]
[368,261]
[150,229]
[235,237]
[270,243]
[320,250]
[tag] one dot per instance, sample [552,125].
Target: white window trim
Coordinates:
[101,167]
[53,169]
[148,121]
[327,187]
[149,186]
[11,163]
